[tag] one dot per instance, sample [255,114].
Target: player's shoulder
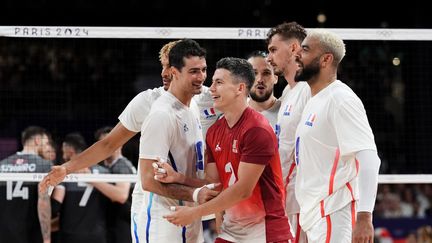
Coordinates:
[340,93]
[150,94]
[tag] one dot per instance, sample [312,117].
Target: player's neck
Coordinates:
[233,114]
[289,76]
[29,150]
[262,106]
[183,97]
[292,83]
[321,83]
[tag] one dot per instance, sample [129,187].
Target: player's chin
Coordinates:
[216,104]
[197,90]
[166,85]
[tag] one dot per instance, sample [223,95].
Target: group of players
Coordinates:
[30,216]
[301,168]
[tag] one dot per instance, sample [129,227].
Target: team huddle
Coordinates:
[299,168]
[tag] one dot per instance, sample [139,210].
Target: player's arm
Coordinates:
[353,132]
[256,154]
[369,164]
[248,176]
[92,155]
[44,214]
[163,172]
[200,186]
[119,192]
[57,196]
[171,190]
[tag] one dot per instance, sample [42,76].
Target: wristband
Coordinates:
[195,194]
[197,190]
[210,186]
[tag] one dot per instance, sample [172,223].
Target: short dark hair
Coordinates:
[239,68]
[32,131]
[184,49]
[257,53]
[76,141]
[101,131]
[290,30]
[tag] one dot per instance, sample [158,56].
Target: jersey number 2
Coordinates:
[230,169]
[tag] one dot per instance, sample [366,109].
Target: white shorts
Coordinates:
[148,224]
[334,228]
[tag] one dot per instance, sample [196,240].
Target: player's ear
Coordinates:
[174,72]
[327,59]
[242,87]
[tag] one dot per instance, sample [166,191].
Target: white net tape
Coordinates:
[198,33]
[33,177]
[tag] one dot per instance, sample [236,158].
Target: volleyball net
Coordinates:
[69,79]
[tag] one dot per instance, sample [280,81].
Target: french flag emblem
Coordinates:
[310,120]
[209,112]
[287,110]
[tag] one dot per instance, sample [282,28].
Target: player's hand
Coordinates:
[53,178]
[182,215]
[363,231]
[206,194]
[165,173]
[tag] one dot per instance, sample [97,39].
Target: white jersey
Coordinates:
[138,109]
[332,129]
[132,119]
[293,102]
[271,113]
[172,132]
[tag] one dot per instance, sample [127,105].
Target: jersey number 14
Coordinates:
[16,191]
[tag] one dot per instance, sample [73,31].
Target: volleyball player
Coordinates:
[284,42]
[82,207]
[172,132]
[336,156]
[26,212]
[261,94]
[130,123]
[120,193]
[243,153]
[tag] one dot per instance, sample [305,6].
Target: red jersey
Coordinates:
[251,140]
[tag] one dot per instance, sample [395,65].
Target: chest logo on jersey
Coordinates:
[19,161]
[311,119]
[234,146]
[218,148]
[185,128]
[287,110]
[209,113]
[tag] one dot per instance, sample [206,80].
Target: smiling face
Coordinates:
[265,79]
[192,75]
[223,89]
